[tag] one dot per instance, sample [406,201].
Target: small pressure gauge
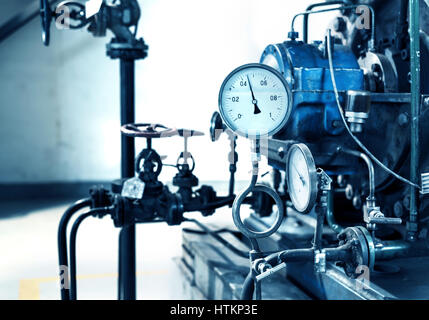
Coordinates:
[301,177]
[255,101]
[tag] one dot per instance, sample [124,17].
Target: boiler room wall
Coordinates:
[59,106]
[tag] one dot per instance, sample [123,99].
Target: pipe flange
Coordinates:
[371,246]
[359,251]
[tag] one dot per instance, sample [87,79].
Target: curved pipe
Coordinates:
[370,166]
[62,241]
[330,217]
[311,7]
[306,13]
[73,235]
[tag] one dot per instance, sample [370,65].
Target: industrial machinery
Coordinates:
[340,120]
[347,151]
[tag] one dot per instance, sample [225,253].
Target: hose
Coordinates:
[62,242]
[356,140]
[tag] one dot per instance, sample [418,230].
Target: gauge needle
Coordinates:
[254,101]
[300,176]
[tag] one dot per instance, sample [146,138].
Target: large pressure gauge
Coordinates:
[255,101]
[301,177]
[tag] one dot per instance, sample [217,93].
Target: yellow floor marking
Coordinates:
[29,288]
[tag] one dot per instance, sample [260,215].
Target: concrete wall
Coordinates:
[59,106]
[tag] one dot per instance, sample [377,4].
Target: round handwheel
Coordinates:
[147,130]
[45,19]
[153,163]
[181,164]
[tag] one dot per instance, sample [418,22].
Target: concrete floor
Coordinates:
[28,254]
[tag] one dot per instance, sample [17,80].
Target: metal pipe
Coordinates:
[370,166]
[220,202]
[318,232]
[311,7]
[306,13]
[127,263]
[233,158]
[387,250]
[412,226]
[127,116]
[127,246]
[248,288]
[62,244]
[330,217]
[73,235]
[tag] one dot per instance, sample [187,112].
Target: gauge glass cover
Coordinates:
[301,178]
[255,100]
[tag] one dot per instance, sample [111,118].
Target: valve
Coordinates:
[185,179]
[373,215]
[147,130]
[70,10]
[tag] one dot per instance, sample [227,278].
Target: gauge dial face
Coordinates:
[255,100]
[301,177]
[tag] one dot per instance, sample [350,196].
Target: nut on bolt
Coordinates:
[261,266]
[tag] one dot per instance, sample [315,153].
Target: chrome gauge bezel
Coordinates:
[312,174]
[257,135]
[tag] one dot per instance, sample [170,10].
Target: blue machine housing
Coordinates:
[306,69]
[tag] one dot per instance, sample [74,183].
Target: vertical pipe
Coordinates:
[127,240]
[127,116]
[62,245]
[233,158]
[415,113]
[318,232]
[127,263]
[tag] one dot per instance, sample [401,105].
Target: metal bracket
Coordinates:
[270,271]
[425,183]
[320,261]
[324,180]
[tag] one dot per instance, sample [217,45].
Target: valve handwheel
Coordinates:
[147,130]
[77,13]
